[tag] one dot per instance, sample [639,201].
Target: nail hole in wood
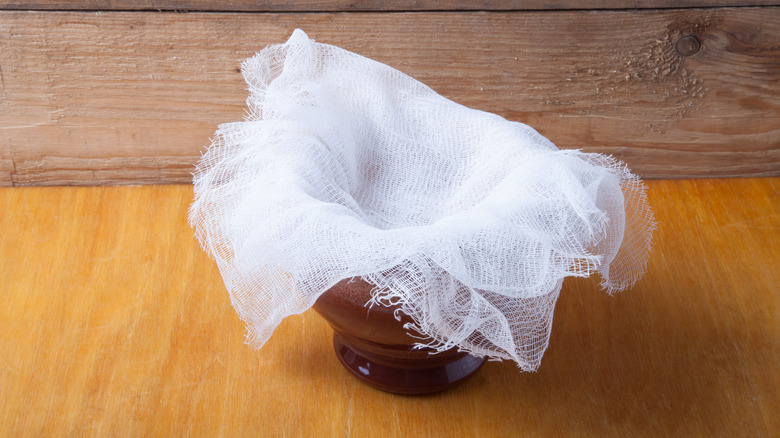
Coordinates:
[688,45]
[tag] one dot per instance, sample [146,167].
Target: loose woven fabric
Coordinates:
[346,167]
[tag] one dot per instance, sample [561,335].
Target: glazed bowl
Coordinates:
[376,348]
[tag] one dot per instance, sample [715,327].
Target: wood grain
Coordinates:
[366,5]
[115,323]
[114,98]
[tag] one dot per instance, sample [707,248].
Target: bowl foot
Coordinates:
[414,375]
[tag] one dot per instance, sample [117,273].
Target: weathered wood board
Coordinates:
[133,97]
[368,5]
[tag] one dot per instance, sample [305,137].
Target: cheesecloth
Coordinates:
[346,167]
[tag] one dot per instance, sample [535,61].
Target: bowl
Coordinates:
[376,348]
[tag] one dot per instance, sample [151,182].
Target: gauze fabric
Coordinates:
[346,167]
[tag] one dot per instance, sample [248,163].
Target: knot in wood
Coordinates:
[688,45]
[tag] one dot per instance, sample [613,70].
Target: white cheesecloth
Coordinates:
[346,167]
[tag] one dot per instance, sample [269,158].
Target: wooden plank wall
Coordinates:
[115,92]
[370,5]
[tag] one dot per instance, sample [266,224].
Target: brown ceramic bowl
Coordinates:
[375,347]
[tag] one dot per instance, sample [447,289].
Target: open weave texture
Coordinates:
[346,167]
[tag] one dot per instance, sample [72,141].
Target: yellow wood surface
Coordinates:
[115,323]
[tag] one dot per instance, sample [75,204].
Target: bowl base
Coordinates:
[412,376]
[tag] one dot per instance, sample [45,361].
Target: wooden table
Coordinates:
[115,323]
